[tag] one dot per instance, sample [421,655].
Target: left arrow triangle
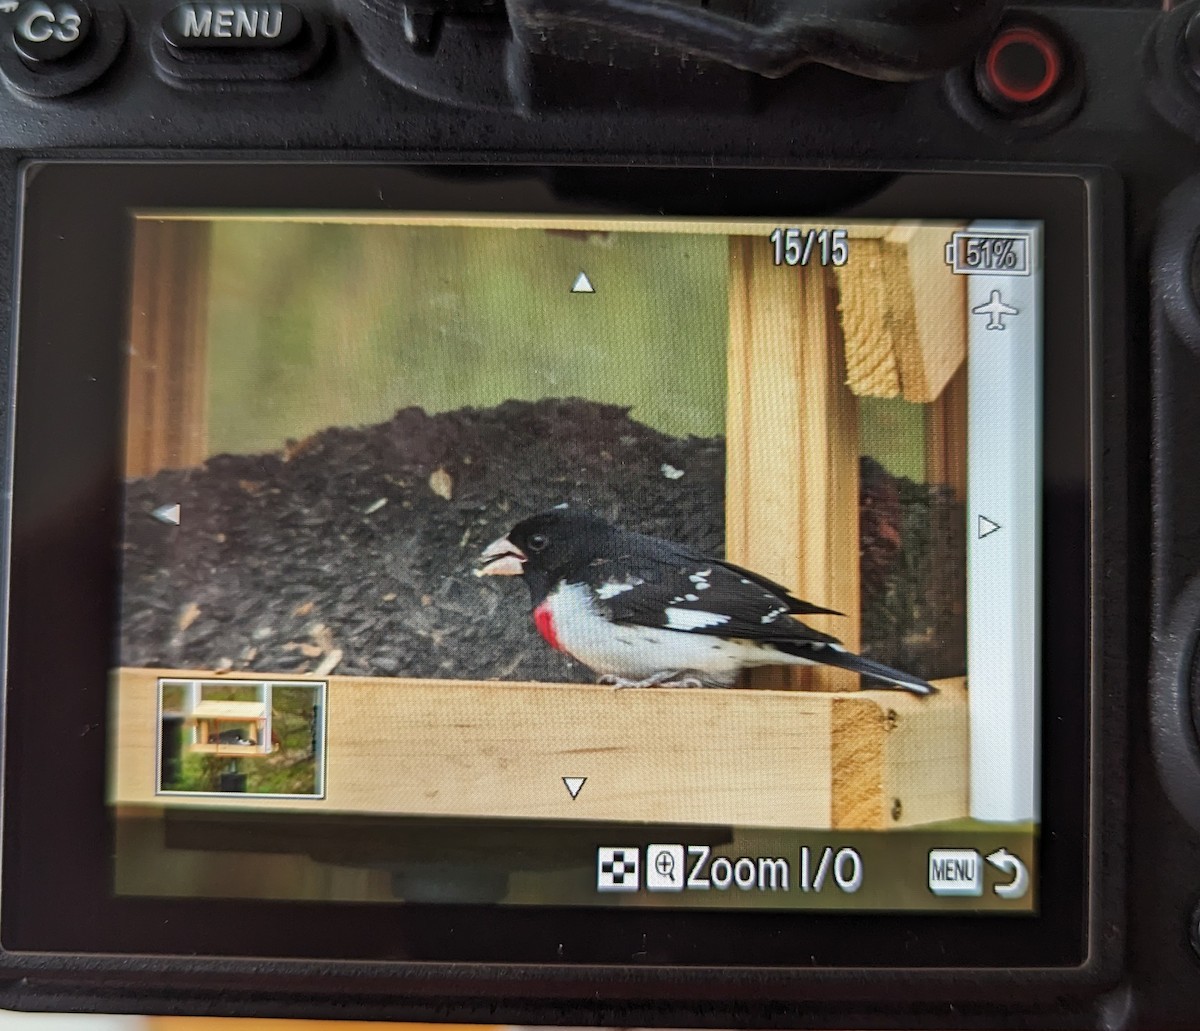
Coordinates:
[168,514]
[574,785]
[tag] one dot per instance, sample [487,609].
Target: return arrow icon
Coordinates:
[1008,864]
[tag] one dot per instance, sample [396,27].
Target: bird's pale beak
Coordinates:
[503,558]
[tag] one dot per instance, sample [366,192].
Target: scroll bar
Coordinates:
[1004,482]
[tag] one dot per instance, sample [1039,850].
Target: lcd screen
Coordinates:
[580,561]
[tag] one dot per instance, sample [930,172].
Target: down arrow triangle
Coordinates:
[574,785]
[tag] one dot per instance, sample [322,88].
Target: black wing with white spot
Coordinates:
[671,592]
[796,606]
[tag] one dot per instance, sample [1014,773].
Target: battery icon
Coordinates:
[989,254]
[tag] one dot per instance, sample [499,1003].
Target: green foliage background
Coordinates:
[313,325]
[892,431]
[317,325]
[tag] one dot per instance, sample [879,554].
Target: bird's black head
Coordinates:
[545,547]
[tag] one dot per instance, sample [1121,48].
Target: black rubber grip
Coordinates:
[880,39]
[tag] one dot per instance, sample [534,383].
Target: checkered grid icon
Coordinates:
[618,868]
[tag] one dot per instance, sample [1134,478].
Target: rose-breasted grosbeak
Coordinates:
[643,611]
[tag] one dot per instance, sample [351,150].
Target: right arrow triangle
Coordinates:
[574,785]
[987,527]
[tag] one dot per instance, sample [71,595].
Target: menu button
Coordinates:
[955,872]
[212,26]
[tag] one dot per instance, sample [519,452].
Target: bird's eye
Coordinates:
[538,542]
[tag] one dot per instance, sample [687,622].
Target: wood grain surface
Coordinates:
[792,476]
[903,314]
[719,757]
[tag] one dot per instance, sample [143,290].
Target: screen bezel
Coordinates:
[57,897]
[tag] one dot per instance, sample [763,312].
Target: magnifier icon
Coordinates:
[664,864]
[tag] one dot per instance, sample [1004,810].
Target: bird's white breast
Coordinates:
[637,652]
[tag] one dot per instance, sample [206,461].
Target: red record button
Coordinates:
[1023,66]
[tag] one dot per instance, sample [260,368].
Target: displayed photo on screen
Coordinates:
[660,542]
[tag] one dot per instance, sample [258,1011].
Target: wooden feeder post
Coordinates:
[265,728]
[167,383]
[793,453]
[946,436]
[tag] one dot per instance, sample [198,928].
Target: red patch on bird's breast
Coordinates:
[543,619]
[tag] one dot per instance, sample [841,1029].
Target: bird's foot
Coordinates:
[621,683]
[683,682]
[665,679]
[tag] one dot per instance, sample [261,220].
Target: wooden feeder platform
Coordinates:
[730,757]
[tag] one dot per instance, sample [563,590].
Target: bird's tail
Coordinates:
[835,655]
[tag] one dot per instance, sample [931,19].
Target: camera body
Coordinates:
[717,111]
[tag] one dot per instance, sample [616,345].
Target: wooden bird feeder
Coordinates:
[237,729]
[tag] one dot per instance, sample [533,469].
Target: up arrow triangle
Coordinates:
[582,285]
[574,785]
[987,527]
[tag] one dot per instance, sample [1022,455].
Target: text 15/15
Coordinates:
[794,246]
